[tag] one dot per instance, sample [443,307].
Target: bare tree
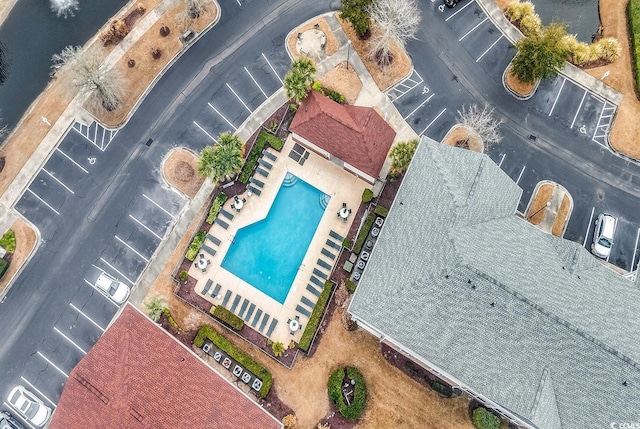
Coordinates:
[191,11]
[481,127]
[64,8]
[392,20]
[103,85]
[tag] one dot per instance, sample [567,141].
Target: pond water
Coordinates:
[582,16]
[30,35]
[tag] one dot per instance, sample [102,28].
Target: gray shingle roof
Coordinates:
[562,335]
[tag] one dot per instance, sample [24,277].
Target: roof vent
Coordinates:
[446,276]
[473,286]
[624,383]
[493,304]
[578,277]
[469,281]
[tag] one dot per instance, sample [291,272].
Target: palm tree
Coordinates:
[299,79]
[155,307]
[278,349]
[401,155]
[222,160]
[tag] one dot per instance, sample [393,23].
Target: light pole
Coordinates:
[548,204]
[348,51]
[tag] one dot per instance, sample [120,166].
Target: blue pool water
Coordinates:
[267,254]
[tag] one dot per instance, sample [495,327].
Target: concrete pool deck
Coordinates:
[319,172]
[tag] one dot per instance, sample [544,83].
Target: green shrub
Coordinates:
[195,245]
[334,388]
[364,231]
[367,195]
[170,318]
[8,241]
[217,204]
[317,86]
[335,96]
[314,319]
[263,139]
[4,266]
[633,15]
[227,317]
[381,211]
[241,357]
[350,285]
[346,243]
[483,419]
[438,388]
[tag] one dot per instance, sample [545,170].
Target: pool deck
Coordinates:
[319,172]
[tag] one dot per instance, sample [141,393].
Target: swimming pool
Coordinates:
[268,254]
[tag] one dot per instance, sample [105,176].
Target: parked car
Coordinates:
[451,3]
[603,235]
[29,406]
[117,291]
[8,422]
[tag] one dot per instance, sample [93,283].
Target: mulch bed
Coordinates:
[185,337]
[188,294]
[260,341]
[134,16]
[336,420]
[274,404]
[390,190]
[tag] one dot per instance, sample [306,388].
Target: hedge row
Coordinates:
[316,315]
[633,15]
[4,266]
[195,245]
[263,139]
[334,387]
[170,319]
[227,317]
[218,202]
[381,211]
[241,357]
[364,231]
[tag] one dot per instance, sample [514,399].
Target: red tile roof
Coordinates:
[138,376]
[357,135]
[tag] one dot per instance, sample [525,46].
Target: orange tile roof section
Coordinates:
[357,135]
[138,376]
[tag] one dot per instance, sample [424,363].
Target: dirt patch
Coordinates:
[538,206]
[343,80]
[517,86]
[561,218]
[459,137]
[180,169]
[384,78]
[25,243]
[332,43]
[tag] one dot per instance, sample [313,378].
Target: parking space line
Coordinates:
[584,243]
[69,339]
[564,80]
[274,70]
[422,104]
[205,131]
[457,11]
[489,48]
[473,29]
[635,249]
[43,201]
[37,390]
[145,226]
[57,180]
[598,125]
[159,206]
[72,160]
[85,136]
[100,292]
[52,364]
[434,119]
[116,270]
[222,116]
[502,159]
[132,249]
[579,107]
[256,82]
[86,317]
[521,173]
[238,97]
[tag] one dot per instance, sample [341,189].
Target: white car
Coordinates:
[603,235]
[29,406]
[117,291]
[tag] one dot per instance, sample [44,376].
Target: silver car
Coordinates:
[8,422]
[117,291]
[603,235]
[29,406]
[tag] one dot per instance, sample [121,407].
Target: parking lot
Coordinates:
[430,98]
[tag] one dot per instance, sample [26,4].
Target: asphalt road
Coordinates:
[101,204]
